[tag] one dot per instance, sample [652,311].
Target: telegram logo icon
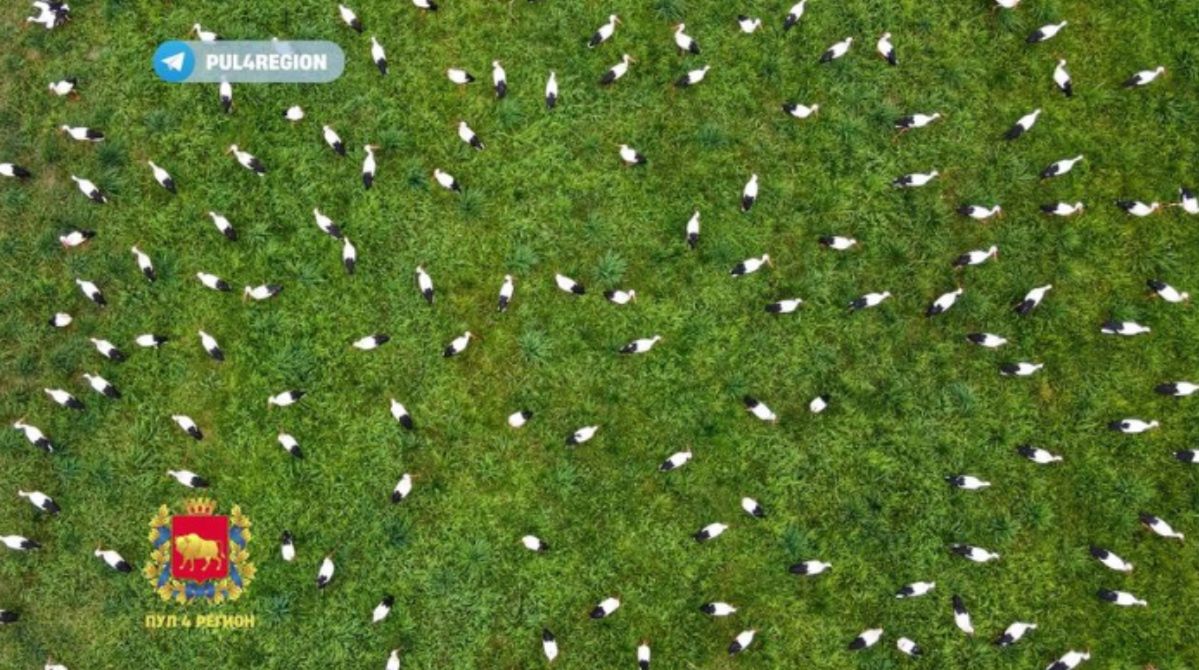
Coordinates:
[174,61]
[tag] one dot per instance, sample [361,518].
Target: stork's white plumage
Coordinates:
[747,24]
[749,193]
[225,94]
[986,340]
[294,113]
[62,87]
[82,133]
[758,409]
[976,257]
[692,230]
[326,224]
[262,291]
[710,531]
[324,573]
[980,212]
[102,386]
[640,346]
[869,300]
[188,478]
[1061,79]
[400,414]
[64,399]
[507,288]
[1160,527]
[519,419]
[402,488]
[915,589]
[211,346]
[1069,660]
[213,282]
[457,345]
[424,283]
[1126,328]
[113,559]
[1167,292]
[1013,633]
[631,156]
[616,71]
[60,320]
[1187,201]
[786,306]
[1062,208]
[1037,455]
[92,291]
[752,508]
[1144,77]
[581,435]
[427,5]
[349,255]
[76,238]
[378,55]
[836,51]
[368,166]
[333,140]
[349,18]
[290,444]
[944,302]
[974,554]
[34,435]
[499,80]
[886,49]
[605,608]
[370,342]
[800,111]
[915,179]
[837,242]
[1022,125]
[906,123]
[809,568]
[692,77]
[604,32]
[382,609]
[1045,32]
[717,609]
[107,349]
[794,15]
[89,189]
[222,224]
[446,180]
[466,134]
[40,500]
[393,659]
[1020,369]
[459,76]
[620,297]
[750,265]
[149,340]
[961,616]
[189,426]
[1138,208]
[203,35]
[534,543]
[1059,168]
[162,177]
[247,160]
[287,546]
[675,461]
[1110,560]
[568,285]
[685,42]
[14,171]
[285,398]
[742,641]
[549,644]
[551,90]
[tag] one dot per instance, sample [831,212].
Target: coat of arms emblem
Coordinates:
[199,554]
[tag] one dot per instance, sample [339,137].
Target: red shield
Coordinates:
[199,547]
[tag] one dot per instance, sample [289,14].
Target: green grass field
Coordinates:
[860,485]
